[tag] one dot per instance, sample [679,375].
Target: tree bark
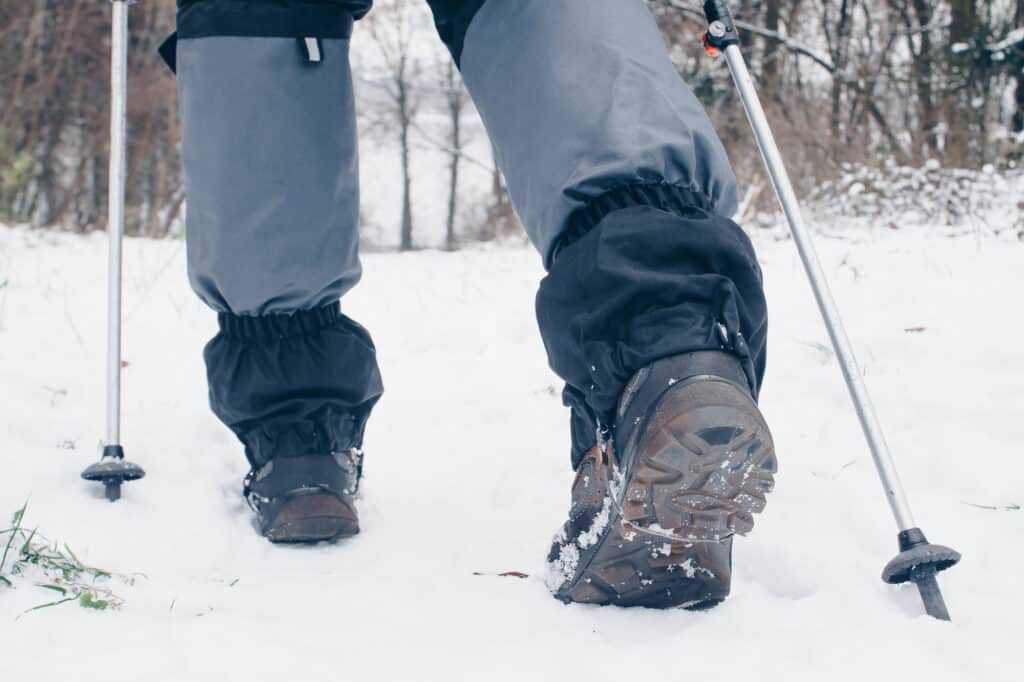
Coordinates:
[963,143]
[839,59]
[1017,123]
[405,243]
[770,67]
[924,77]
[456,103]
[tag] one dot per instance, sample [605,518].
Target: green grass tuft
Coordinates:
[53,567]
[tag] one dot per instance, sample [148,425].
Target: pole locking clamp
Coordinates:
[721,31]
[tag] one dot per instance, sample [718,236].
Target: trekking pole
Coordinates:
[918,560]
[112,470]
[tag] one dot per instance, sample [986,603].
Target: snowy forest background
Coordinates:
[881,106]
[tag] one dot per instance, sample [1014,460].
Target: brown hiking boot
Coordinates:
[654,510]
[306,499]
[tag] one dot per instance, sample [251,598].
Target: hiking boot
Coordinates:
[307,498]
[654,509]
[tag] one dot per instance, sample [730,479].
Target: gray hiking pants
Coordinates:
[590,122]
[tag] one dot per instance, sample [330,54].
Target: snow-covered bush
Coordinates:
[930,194]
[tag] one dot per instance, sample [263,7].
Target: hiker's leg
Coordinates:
[269,151]
[622,184]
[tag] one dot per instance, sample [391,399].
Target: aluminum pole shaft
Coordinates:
[115,212]
[826,304]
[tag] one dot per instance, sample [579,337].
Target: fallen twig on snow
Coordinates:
[1001,507]
[838,473]
[55,394]
[504,574]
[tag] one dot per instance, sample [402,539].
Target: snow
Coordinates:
[1012,38]
[563,567]
[691,569]
[467,471]
[590,537]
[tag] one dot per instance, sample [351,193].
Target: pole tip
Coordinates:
[931,595]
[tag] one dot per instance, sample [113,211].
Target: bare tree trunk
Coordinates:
[500,210]
[456,103]
[1017,123]
[746,12]
[770,68]
[392,27]
[405,244]
[172,212]
[840,54]
[450,241]
[963,84]
[927,134]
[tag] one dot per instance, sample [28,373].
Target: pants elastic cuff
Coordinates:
[299,323]
[685,202]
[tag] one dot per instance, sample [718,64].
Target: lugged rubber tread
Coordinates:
[700,469]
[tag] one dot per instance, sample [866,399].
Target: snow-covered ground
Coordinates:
[467,472]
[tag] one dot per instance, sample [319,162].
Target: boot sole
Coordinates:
[311,516]
[707,463]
